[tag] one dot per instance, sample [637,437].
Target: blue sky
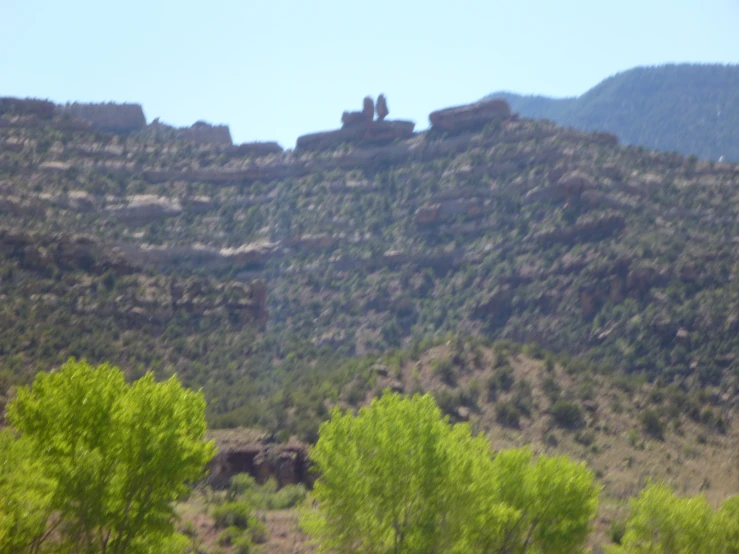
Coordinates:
[273,70]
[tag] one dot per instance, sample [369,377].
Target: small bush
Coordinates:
[243,545]
[586,438]
[232,514]
[616,531]
[567,414]
[444,369]
[551,388]
[507,415]
[288,496]
[258,531]
[447,401]
[241,483]
[504,378]
[228,535]
[533,351]
[491,386]
[549,364]
[653,425]
[523,398]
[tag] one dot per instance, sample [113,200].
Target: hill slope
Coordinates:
[691,109]
[367,238]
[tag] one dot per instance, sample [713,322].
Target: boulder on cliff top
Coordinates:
[470,117]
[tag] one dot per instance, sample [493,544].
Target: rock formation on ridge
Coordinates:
[382,110]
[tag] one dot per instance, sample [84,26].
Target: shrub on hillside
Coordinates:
[567,414]
[652,424]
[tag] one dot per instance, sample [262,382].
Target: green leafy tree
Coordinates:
[399,478]
[116,456]
[661,522]
[554,500]
[726,527]
[24,497]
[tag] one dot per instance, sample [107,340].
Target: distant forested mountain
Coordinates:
[688,108]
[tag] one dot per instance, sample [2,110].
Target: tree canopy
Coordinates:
[398,477]
[660,522]
[96,463]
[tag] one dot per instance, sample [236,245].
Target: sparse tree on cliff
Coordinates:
[399,478]
[108,459]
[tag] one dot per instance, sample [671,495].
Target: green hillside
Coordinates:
[686,108]
[550,286]
[256,273]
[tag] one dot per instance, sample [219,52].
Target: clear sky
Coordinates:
[275,69]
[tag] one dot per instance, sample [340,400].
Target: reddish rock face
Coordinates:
[470,117]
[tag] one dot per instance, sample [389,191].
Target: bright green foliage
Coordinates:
[662,523]
[554,500]
[726,526]
[116,455]
[24,496]
[399,478]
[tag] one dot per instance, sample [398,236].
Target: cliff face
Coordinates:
[373,236]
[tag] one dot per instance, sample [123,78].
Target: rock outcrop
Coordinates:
[256,149]
[145,207]
[206,133]
[288,464]
[569,187]
[374,132]
[72,252]
[42,109]
[146,299]
[350,119]
[586,229]
[198,256]
[470,117]
[110,117]
[382,109]
[359,128]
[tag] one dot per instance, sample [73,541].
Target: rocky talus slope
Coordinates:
[362,239]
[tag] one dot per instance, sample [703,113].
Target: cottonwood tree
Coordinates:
[397,477]
[660,522]
[109,458]
[24,497]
